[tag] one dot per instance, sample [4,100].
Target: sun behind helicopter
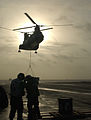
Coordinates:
[32,41]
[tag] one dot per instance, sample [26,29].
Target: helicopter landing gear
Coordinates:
[19,50]
[35,51]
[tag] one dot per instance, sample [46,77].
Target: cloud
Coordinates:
[84,26]
[8,46]
[84,50]
[70,46]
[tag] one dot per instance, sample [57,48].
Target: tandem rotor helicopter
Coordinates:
[32,41]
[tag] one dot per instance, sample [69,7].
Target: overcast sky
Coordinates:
[65,52]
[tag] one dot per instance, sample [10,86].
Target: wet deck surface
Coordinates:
[45,115]
[48,99]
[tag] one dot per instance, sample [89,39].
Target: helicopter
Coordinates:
[32,41]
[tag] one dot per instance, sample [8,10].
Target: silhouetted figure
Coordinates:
[3,98]
[32,95]
[16,93]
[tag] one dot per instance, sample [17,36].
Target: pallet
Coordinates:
[74,115]
[57,116]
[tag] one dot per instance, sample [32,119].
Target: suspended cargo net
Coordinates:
[29,69]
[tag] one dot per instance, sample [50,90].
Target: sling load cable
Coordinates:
[30,65]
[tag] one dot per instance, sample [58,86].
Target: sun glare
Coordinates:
[21,35]
[46,37]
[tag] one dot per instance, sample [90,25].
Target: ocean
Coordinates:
[80,92]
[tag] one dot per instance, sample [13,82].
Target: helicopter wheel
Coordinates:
[36,52]
[19,50]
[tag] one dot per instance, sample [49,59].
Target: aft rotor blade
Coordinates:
[22,28]
[46,29]
[40,30]
[27,27]
[61,25]
[30,18]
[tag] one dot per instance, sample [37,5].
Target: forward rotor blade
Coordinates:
[30,18]
[5,28]
[22,28]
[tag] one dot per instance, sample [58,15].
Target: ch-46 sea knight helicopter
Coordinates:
[32,41]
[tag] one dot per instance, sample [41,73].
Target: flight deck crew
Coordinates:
[16,93]
[32,96]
